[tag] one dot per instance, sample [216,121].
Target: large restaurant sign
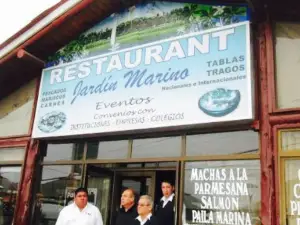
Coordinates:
[154,65]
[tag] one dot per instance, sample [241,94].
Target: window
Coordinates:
[61,173]
[289,156]
[292,190]
[56,191]
[156,147]
[290,141]
[9,181]
[245,142]
[107,150]
[10,172]
[287,64]
[16,111]
[12,154]
[222,179]
[222,192]
[69,151]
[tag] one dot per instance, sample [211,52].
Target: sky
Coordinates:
[15,14]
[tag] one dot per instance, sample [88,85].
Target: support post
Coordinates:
[21,215]
[268,203]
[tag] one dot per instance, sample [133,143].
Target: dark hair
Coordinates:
[168,181]
[81,189]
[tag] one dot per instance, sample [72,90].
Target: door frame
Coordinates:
[151,174]
[138,172]
[116,193]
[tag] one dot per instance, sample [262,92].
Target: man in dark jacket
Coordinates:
[128,212]
[165,210]
[145,207]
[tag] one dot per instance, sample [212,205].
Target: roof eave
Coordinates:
[39,26]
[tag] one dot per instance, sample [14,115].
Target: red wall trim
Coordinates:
[287,126]
[15,137]
[268,215]
[36,95]
[284,119]
[270,67]
[23,206]
[287,110]
[15,142]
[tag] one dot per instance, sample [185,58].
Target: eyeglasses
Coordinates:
[142,205]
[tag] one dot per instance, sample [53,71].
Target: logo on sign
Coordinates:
[219,102]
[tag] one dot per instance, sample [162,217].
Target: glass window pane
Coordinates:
[100,183]
[56,191]
[290,140]
[16,111]
[287,64]
[222,192]
[238,142]
[292,193]
[9,181]
[156,147]
[108,150]
[12,154]
[69,151]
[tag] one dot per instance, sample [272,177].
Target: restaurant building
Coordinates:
[116,94]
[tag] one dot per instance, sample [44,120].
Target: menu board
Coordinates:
[222,194]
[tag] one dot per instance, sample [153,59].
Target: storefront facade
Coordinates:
[199,94]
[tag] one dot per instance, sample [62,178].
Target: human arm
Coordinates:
[99,220]
[60,219]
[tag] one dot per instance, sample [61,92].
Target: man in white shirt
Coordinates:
[144,209]
[80,212]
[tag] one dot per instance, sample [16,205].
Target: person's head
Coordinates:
[145,205]
[127,198]
[167,188]
[81,197]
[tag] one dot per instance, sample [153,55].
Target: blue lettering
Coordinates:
[105,86]
[138,78]
[134,78]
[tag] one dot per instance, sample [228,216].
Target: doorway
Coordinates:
[110,182]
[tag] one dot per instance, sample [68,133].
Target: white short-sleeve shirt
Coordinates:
[71,215]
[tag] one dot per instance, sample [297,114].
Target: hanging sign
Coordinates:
[196,76]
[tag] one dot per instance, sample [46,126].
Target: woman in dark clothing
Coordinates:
[144,208]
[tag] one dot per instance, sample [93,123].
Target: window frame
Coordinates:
[34,105]
[271,68]
[282,157]
[129,159]
[21,164]
[24,144]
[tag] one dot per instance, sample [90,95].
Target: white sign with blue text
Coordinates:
[196,78]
